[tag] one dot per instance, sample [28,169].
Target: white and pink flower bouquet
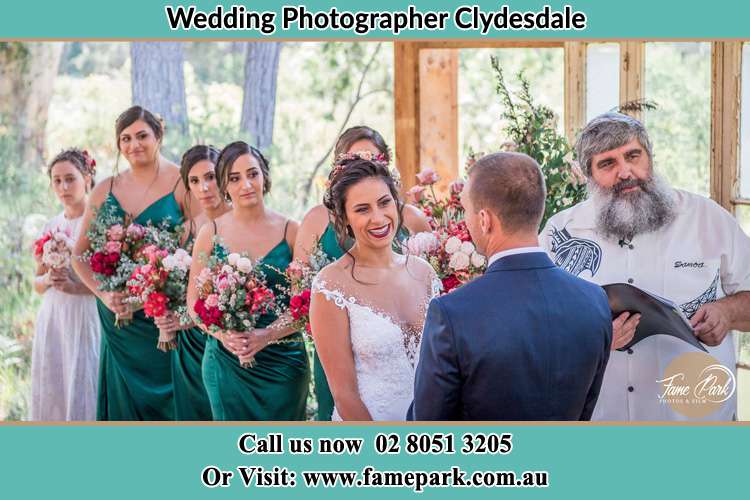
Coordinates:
[54,249]
[160,285]
[232,296]
[448,248]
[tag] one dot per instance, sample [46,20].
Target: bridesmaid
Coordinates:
[65,353]
[276,387]
[135,379]
[197,170]
[317,226]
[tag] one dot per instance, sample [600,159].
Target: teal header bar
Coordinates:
[173,461]
[419,19]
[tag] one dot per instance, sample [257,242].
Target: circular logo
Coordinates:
[695,384]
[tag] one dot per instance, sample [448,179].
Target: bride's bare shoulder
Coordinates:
[419,268]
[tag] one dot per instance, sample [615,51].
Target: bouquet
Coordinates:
[160,284]
[233,295]
[448,248]
[117,246]
[300,277]
[54,249]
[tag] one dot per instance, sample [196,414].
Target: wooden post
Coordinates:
[575,88]
[726,68]
[406,104]
[438,113]
[632,73]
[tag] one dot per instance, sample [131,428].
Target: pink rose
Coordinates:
[457,186]
[112,247]
[136,232]
[115,232]
[427,176]
[416,193]
[212,300]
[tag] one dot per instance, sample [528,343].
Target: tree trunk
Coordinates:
[158,81]
[259,100]
[27,77]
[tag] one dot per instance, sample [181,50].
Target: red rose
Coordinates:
[156,305]
[450,282]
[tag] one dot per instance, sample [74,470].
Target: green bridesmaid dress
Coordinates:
[190,396]
[276,387]
[135,378]
[330,246]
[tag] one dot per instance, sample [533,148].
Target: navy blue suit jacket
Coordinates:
[526,341]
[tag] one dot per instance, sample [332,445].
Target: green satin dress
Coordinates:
[135,378]
[190,396]
[276,387]
[330,246]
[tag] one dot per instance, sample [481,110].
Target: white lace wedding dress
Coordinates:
[385,353]
[65,351]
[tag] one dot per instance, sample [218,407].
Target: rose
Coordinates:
[105,264]
[169,262]
[56,260]
[232,258]
[156,305]
[209,316]
[453,245]
[115,233]
[244,265]
[427,177]
[422,243]
[450,282]
[135,232]
[457,186]
[39,244]
[212,300]
[478,260]
[459,261]
[112,247]
[416,193]
[467,247]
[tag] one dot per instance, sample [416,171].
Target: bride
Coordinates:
[368,307]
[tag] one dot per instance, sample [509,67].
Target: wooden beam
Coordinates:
[489,44]
[438,113]
[632,73]
[575,88]
[406,109]
[726,69]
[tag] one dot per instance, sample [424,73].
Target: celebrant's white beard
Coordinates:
[625,215]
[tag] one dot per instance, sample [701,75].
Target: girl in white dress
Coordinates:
[368,308]
[65,351]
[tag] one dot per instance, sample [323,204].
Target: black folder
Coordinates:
[659,316]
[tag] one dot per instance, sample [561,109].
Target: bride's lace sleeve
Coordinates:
[321,286]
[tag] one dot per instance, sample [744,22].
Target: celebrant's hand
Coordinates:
[250,343]
[623,329]
[711,323]
[168,323]
[115,302]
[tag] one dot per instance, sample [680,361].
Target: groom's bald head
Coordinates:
[511,186]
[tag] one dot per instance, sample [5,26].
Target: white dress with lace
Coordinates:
[385,354]
[65,351]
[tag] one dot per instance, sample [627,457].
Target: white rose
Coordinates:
[467,247]
[459,261]
[233,258]
[55,260]
[244,265]
[477,260]
[181,254]
[169,262]
[227,269]
[453,245]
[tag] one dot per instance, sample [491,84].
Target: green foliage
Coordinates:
[532,129]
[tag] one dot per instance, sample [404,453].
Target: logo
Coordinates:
[575,255]
[696,385]
[679,263]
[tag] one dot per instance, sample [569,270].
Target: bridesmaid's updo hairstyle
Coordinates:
[132,115]
[229,155]
[81,159]
[353,135]
[347,172]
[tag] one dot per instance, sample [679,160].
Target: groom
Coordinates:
[526,341]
